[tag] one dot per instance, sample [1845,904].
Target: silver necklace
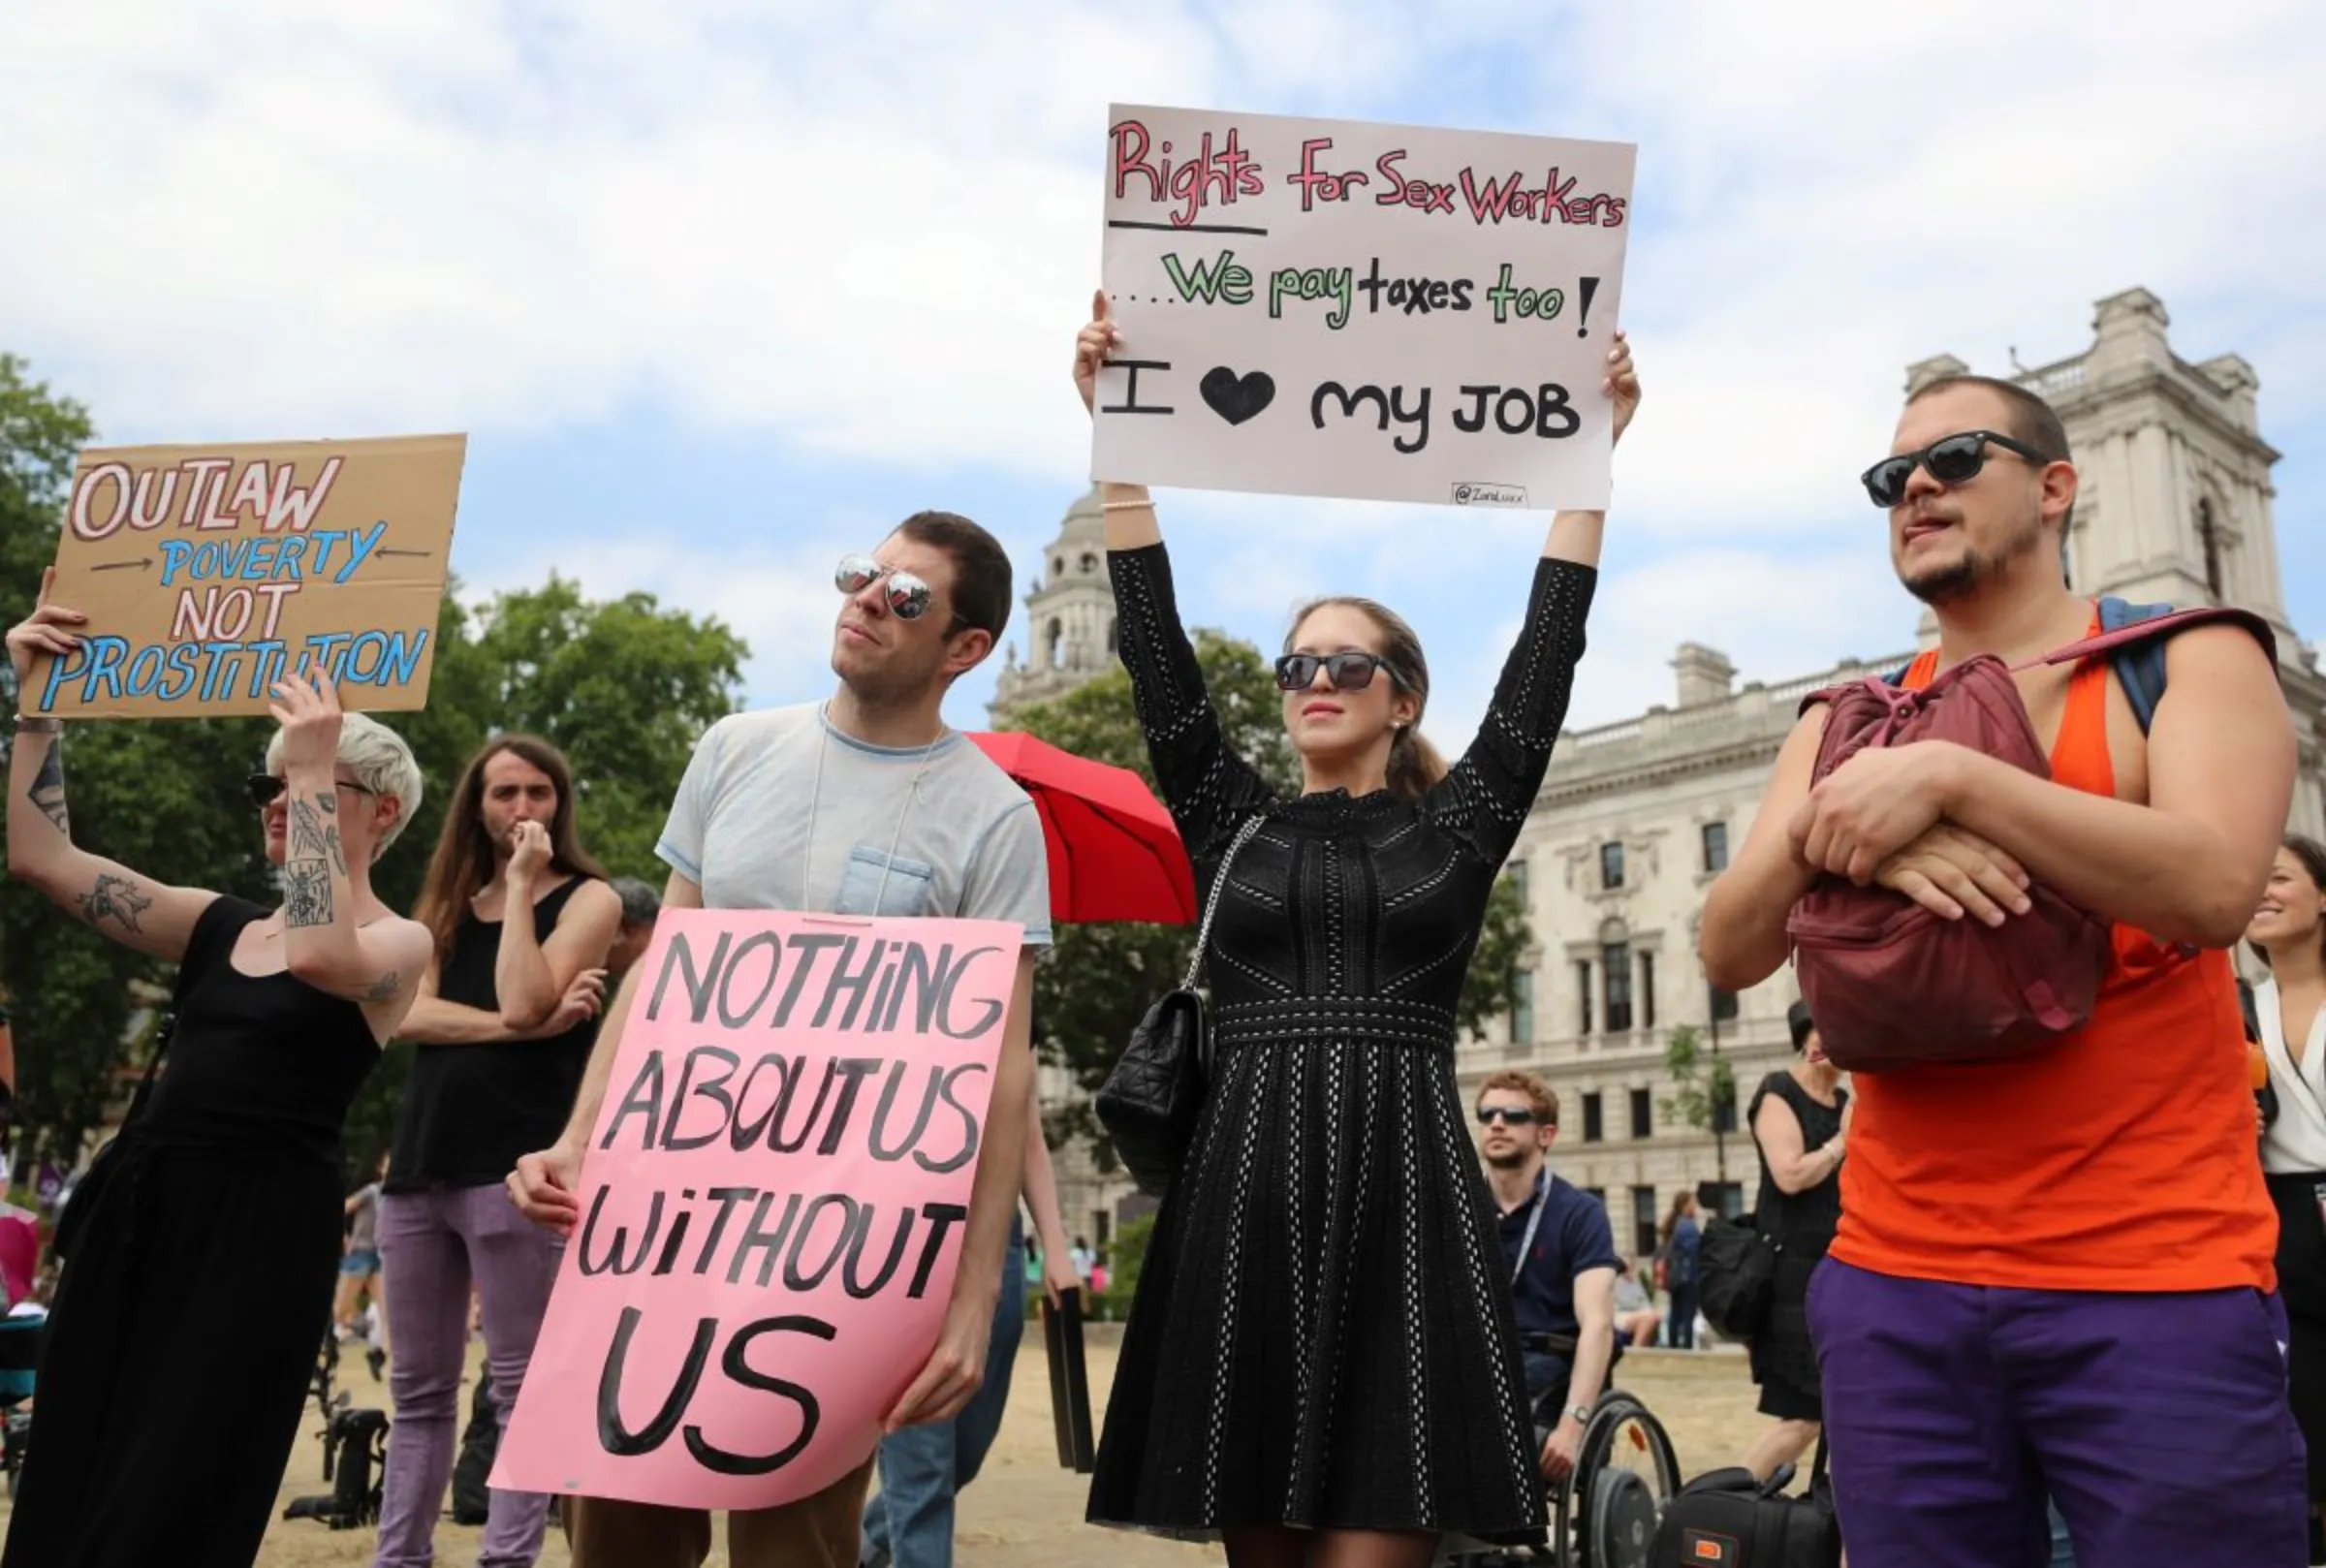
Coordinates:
[815,800]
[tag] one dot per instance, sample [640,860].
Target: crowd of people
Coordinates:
[1366,1319]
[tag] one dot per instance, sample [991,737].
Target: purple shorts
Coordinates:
[2158,1424]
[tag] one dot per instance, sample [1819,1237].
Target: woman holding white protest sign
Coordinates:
[1321,1366]
[227,1170]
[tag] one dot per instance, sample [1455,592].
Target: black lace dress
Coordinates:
[1322,1335]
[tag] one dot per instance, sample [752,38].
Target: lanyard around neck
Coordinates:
[1534,1222]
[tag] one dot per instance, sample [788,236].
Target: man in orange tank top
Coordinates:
[2053,1272]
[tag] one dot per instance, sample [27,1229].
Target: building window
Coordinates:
[1582,994]
[1594,1129]
[1517,873]
[1089,564]
[1725,1199]
[1615,963]
[1101,1229]
[1643,1221]
[1724,1111]
[1647,991]
[1053,635]
[1723,1006]
[1715,846]
[1521,1007]
[1643,1113]
[1610,867]
[2208,539]
[1112,649]
[1600,1193]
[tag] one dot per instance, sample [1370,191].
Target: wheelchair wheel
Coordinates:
[1625,1474]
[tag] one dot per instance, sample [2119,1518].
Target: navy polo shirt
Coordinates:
[1573,1236]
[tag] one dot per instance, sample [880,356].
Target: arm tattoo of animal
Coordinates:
[384,988]
[47,792]
[114,898]
[306,892]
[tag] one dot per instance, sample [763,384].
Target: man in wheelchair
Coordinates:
[1562,1255]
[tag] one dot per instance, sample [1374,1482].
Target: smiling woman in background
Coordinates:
[204,1243]
[2288,934]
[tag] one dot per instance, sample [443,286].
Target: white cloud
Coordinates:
[868,232]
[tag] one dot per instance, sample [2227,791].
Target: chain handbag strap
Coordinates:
[1219,885]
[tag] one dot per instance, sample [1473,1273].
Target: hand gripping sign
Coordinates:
[772,1208]
[1330,307]
[206,572]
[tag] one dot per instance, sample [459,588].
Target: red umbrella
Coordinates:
[1114,854]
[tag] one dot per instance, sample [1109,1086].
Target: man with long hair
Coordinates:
[865,805]
[521,918]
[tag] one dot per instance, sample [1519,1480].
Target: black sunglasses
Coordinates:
[265,789]
[1955,460]
[1350,671]
[1488,1116]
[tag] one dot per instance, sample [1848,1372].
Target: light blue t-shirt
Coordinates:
[782,810]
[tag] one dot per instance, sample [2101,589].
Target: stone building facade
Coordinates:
[1637,817]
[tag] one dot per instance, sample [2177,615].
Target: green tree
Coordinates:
[1704,1094]
[1101,979]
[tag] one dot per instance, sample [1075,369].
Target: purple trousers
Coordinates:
[432,1244]
[2158,1424]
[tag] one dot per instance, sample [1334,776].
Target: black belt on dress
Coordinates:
[1324,1020]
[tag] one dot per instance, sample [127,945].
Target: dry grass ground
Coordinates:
[1025,1511]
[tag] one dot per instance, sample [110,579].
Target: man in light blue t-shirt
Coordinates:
[865,804]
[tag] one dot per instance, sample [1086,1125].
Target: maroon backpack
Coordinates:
[1892,985]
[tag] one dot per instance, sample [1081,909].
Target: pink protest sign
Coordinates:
[772,1208]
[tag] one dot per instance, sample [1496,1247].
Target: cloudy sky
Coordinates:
[720,289]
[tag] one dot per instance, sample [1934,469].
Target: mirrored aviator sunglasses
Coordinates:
[1350,671]
[1955,460]
[908,596]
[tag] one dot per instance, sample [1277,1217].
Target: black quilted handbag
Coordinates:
[1155,1095]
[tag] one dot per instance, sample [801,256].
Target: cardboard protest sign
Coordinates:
[772,1208]
[1327,307]
[206,572]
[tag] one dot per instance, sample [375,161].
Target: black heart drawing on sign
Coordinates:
[1236,398]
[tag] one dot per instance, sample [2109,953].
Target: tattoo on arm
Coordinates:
[114,898]
[328,831]
[384,988]
[306,892]
[306,833]
[47,792]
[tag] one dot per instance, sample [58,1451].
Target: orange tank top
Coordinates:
[2121,1159]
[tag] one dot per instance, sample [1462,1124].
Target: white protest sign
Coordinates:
[1332,307]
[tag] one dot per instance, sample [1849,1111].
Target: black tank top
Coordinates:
[470,1111]
[1804,1221]
[257,1065]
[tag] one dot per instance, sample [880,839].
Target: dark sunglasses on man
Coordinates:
[1955,460]
[908,596]
[1515,1116]
[267,788]
[1350,671]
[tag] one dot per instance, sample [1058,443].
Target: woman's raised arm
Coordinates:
[151,917]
